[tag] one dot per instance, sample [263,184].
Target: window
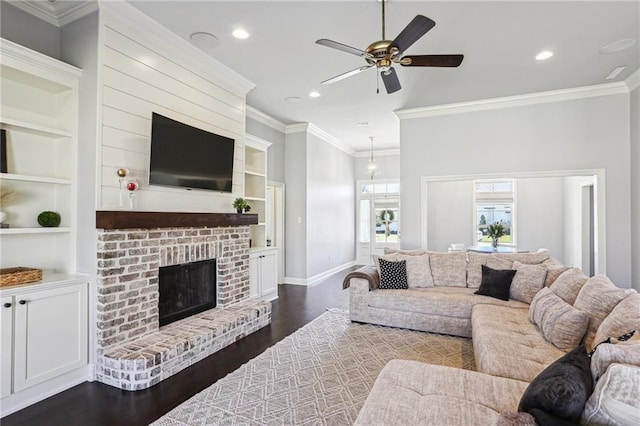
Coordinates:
[494,202]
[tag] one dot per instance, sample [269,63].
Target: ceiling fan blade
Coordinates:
[431,60]
[343,47]
[347,74]
[412,32]
[390,79]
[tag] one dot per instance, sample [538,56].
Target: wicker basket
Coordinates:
[19,275]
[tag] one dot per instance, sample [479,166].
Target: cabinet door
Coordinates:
[50,334]
[254,277]
[268,273]
[6,340]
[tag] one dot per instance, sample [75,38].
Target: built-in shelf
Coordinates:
[254,199]
[117,219]
[248,172]
[11,124]
[39,179]
[57,230]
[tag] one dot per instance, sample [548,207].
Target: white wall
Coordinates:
[586,133]
[275,154]
[142,72]
[635,188]
[296,206]
[330,207]
[449,214]
[28,31]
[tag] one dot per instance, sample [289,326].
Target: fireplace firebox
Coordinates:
[186,290]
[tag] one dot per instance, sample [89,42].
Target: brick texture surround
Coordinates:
[133,352]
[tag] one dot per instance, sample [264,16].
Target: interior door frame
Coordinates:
[278,224]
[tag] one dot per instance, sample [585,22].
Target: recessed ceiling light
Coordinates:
[314,94]
[240,33]
[205,41]
[613,74]
[293,99]
[617,46]
[362,124]
[545,54]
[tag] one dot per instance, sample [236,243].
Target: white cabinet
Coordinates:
[263,273]
[255,186]
[44,339]
[38,116]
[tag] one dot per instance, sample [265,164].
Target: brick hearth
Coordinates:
[133,351]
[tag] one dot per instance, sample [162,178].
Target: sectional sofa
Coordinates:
[551,309]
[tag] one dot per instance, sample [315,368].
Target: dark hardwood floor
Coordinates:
[94,403]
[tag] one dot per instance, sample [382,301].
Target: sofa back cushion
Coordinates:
[418,270]
[624,318]
[528,258]
[474,268]
[528,281]
[560,323]
[448,269]
[414,252]
[598,297]
[568,284]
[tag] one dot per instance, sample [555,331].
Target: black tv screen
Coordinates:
[187,157]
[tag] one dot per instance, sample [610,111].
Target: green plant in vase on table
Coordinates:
[495,231]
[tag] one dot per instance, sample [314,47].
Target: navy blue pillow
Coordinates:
[561,389]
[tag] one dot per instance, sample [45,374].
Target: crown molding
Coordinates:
[57,13]
[267,120]
[125,17]
[633,81]
[11,51]
[318,132]
[378,153]
[515,101]
[256,142]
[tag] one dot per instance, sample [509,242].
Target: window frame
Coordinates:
[488,198]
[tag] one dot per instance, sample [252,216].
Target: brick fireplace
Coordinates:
[133,351]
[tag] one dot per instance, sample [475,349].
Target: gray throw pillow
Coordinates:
[562,388]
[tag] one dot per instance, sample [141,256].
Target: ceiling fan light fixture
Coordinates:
[544,55]
[240,34]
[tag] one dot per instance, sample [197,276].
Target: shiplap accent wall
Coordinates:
[139,78]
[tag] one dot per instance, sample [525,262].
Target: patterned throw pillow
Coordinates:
[393,275]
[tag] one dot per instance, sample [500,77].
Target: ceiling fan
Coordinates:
[382,54]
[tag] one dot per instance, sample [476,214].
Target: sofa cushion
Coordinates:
[553,272]
[496,262]
[449,269]
[562,388]
[414,252]
[568,284]
[507,344]
[559,322]
[496,282]
[616,398]
[388,257]
[393,275]
[529,279]
[415,393]
[607,354]
[528,258]
[447,301]
[474,268]
[418,270]
[622,319]
[598,297]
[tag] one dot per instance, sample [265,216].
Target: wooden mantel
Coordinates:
[119,219]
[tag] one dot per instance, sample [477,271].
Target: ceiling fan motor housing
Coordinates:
[381,57]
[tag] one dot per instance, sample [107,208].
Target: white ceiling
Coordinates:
[499,40]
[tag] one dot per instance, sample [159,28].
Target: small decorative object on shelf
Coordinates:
[19,275]
[49,219]
[3,151]
[132,186]
[122,173]
[241,206]
[7,197]
[495,231]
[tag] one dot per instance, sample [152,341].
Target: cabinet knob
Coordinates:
[23,302]
[7,305]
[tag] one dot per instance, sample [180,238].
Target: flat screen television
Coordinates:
[187,157]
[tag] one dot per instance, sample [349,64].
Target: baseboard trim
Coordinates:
[319,277]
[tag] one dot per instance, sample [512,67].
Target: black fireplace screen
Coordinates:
[186,290]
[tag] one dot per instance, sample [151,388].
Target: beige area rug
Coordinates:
[319,375]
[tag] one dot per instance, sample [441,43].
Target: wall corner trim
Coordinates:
[633,81]
[515,101]
[267,120]
[318,132]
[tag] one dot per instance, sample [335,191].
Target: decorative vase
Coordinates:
[239,210]
[494,243]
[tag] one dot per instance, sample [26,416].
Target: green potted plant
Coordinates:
[495,231]
[49,219]
[240,204]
